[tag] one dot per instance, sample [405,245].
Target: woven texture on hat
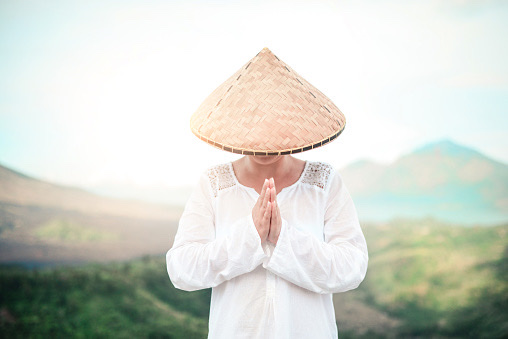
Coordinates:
[267,108]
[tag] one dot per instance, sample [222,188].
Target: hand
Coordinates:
[261,212]
[275,218]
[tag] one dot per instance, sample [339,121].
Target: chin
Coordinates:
[266,159]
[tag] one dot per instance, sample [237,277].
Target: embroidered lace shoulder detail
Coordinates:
[220,177]
[317,174]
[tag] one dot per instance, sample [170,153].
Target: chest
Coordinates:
[302,207]
[280,182]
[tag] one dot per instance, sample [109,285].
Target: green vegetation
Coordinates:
[67,230]
[436,280]
[122,300]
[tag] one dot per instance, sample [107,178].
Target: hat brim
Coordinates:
[233,149]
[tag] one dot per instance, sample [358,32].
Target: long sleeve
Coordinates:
[198,259]
[337,264]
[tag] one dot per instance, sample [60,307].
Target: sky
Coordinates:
[101,92]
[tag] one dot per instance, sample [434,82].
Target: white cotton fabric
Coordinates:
[262,291]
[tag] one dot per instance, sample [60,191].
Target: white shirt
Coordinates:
[262,291]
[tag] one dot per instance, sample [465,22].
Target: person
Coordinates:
[272,235]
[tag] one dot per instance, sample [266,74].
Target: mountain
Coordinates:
[443,180]
[20,189]
[157,194]
[42,223]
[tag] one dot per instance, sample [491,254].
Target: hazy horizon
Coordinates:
[156,193]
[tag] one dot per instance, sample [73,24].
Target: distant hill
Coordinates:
[42,223]
[157,194]
[17,188]
[443,180]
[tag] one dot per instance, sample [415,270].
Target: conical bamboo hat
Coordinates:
[266,108]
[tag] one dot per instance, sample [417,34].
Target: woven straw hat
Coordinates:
[266,108]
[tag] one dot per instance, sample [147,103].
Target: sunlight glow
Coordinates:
[111,87]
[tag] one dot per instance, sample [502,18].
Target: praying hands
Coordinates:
[266,213]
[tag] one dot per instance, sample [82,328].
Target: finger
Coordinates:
[265,185]
[266,195]
[273,185]
[267,214]
[274,212]
[273,224]
[273,194]
[279,222]
[263,191]
[259,203]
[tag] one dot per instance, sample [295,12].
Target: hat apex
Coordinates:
[267,108]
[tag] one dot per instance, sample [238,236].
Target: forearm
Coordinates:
[318,266]
[195,265]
